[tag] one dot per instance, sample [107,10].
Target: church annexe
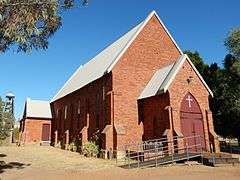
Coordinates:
[141,87]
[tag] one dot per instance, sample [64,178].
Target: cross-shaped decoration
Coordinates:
[189,99]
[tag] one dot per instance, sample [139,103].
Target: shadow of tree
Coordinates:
[3,155]
[11,165]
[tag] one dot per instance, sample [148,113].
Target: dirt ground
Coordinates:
[43,163]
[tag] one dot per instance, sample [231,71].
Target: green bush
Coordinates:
[73,147]
[90,149]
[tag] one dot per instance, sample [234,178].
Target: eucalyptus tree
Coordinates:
[28,24]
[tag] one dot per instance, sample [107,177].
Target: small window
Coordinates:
[103,91]
[79,107]
[65,112]
[97,121]
[57,113]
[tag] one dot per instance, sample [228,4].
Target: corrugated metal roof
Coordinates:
[163,78]
[38,109]
[96,67]
[155,84]
[105,60]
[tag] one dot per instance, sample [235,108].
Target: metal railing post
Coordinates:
[201,149]
[125,158]
[172,151]
[155,155]
[187,151]
[138,158]
[213,160]
[128,159]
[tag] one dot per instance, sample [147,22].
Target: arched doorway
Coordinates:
[192,122]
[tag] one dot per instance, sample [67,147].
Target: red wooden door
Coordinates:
[45,132]
[192,122]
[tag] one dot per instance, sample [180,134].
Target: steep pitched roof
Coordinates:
[156,82]
[105,60]
[37,109]
[162,79]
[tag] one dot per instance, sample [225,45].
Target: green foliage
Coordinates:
[28,25]
[6,122]
[228,96]
[225,84]
[73,146]
[232,42]
[197,61]
[90,149]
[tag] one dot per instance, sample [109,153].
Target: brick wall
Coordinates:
[121,116]
[32,130]
[180,87]
[151,50]
[155,116]
[93,116]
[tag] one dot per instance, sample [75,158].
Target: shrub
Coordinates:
[90,149]
[72,147]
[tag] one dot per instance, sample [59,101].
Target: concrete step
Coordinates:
[45,143]
[219,159]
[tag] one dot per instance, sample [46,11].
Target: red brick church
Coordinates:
[140,87]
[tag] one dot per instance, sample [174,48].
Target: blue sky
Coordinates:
[195,25]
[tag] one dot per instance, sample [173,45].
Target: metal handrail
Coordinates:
[149,150]
[151,140]
[139,154]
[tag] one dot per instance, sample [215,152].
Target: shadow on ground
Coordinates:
[11,165]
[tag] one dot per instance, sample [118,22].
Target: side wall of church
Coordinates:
[87,108]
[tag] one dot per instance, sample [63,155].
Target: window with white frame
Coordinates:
[79,107]
[57,113]
[65,112]
[103,92]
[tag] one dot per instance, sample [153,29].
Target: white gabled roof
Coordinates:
[163,78]
[37,109]
[156,82]
[105,60]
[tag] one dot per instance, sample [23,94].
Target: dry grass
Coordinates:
[52,158]
[43,163]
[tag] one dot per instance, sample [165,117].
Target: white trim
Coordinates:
[174,71]
[181,60]
[65,112]
[199,75]
[165,28]
[137,33]
[118,56]
[53,99]
[130,42]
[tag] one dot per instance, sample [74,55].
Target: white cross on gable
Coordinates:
[189,99]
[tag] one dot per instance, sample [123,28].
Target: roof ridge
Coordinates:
[175,69]
[94,59]
[108,57]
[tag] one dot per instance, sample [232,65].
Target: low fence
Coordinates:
[230,147]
